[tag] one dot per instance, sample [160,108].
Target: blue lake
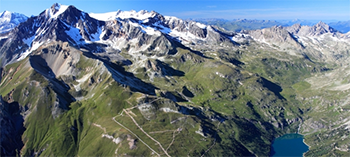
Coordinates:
[289,145]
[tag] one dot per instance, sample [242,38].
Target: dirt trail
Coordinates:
[135,135]
[173,139]
[157,132]
[104,129]
[166,153]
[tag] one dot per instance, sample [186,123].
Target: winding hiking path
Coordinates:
[166,153]
[135,135]
[130,113]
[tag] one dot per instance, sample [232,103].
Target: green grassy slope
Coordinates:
[223,105]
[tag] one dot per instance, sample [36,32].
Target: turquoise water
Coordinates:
[289,145]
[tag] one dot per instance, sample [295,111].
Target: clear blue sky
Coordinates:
[227,9]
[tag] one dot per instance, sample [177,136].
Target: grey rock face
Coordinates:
[316,30]
[12,128]
[276,35]
[294,29]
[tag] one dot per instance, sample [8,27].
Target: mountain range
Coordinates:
[130,83]
[245,24]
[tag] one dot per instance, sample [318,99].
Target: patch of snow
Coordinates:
[60,8]
[29,40]
[200,25]
[150,30]
[74,33]
[36,45]
[239,38]
[141,15]
[4,37]
[171,18]
[303,40]
[23,55]
[163,29]
[104,16]
[184,36]
[134,24]
[146,29]
[145,21]
[96,36]
[102,34]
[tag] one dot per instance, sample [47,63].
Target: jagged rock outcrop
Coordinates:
[60,58]
[316,30]
[276,36]
[11,130]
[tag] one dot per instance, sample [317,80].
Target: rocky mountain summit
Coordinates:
[141,83]
[316,30]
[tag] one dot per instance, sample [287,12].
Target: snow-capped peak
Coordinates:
[200,25]
[56,9]
[8,16]
[5,16]
[141,15]
[9,20]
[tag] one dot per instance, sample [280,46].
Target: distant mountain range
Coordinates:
[239,24]
[342,26]
[246,24]
[297,21]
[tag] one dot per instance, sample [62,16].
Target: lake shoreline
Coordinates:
[307,145]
